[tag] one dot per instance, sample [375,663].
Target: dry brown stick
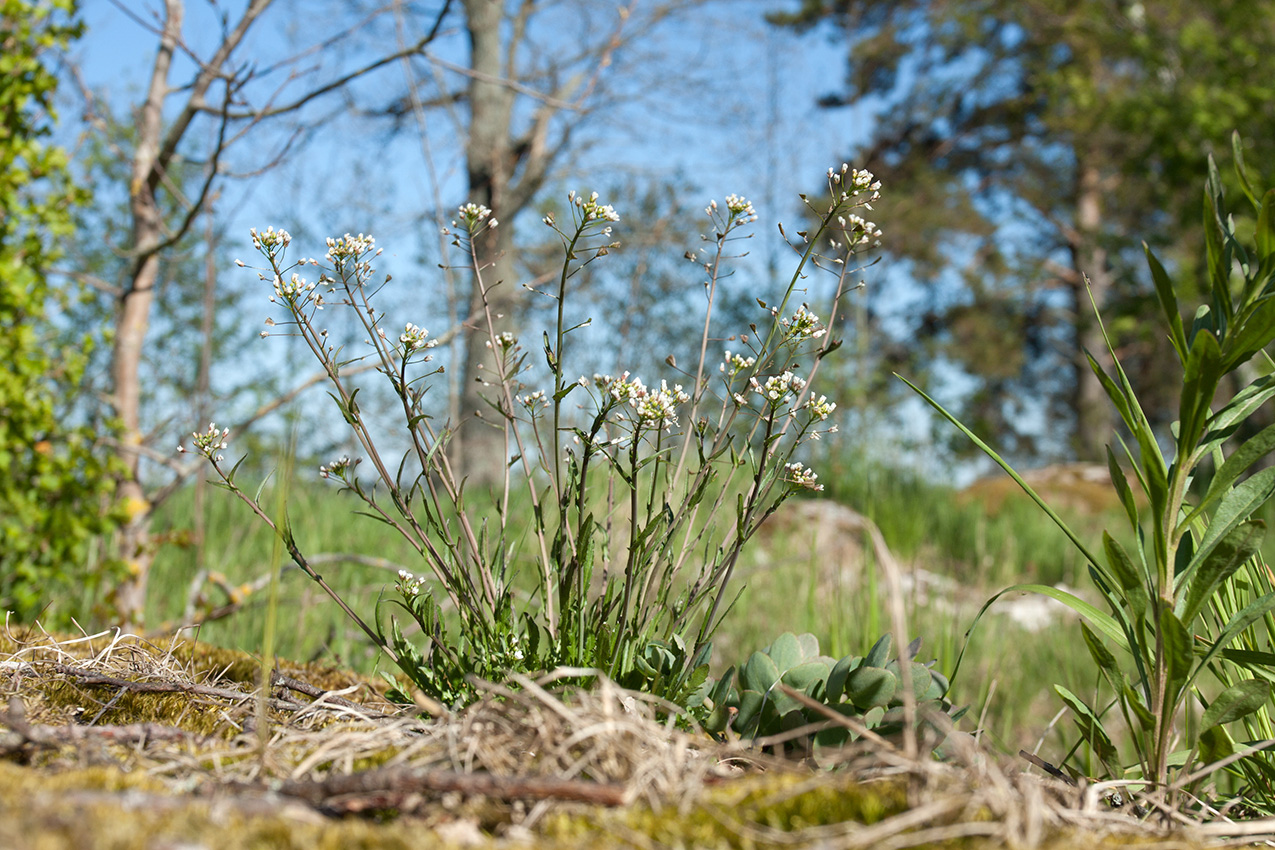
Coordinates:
[24,734]
[326,698]
[404,780]
[88,677]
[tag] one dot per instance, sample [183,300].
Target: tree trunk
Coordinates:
[1091,409]
[478,449]
[134,544]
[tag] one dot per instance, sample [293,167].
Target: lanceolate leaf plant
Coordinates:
[1191,532]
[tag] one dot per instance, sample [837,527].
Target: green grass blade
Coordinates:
[1035,497]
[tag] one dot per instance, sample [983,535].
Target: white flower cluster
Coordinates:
[414,338]
[803,325]
[409,585]
[591,210]
[505,340]
[270,241]
[533,400]
[472,217]
[822,408]
[860,230]
[653,407]
[800,476]
[776,388]
[659,407]
[741,210]
[338,468]
[296,290]
[210,442]
[856,182]
[349,248]
[734,364]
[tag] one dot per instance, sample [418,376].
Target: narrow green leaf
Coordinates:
[1239,700]
[1241,170]
[1104,659]
[1133,700]
[1244,403]
[1199,383]
[1241,620]
[1255,333]
[1227,556]
[1265,235]
[1003,464]
[1090,726]
[1128,576]
[1256,448]
[1178,655]
[1123,490]
[1168,303]
[1113,391]
[1237,505]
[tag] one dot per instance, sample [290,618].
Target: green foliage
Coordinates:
[1016,137]
[865,689]
[1191,542]
[53,485]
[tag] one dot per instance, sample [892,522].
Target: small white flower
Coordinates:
[592,211]
[821,408]
[803,325]
[414,338]
[799,476]
[338,468]
[272,241]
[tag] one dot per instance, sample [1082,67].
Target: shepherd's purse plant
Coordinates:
[643,494]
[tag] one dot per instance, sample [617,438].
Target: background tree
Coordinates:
[1028,146]
[537,74]
[54,486]
[177,152]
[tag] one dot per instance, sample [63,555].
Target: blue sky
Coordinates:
[715,98]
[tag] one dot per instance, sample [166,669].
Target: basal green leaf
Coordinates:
[1133,700]
[786,651]
[870,687]
[1215,745]
[880,652]
[759,673]
[1178,655]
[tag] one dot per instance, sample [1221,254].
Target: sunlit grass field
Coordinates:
[1005,678]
